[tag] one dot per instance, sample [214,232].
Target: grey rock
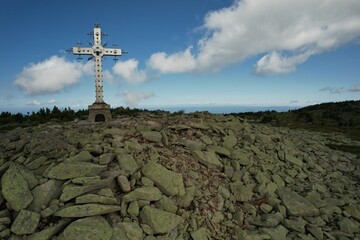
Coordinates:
[297,205]
[160,221]
[25,223]
[169,182]
[90,228]
[124,183]
[95,198]
[50,232]
[242,193]
[349,226]
[83,156]
[278,233]
[152,136]
[106,158]
[185,200]
[200,234]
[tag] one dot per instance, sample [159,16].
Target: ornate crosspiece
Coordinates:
[97,52]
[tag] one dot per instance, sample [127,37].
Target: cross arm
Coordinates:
[112,52]
[82,51]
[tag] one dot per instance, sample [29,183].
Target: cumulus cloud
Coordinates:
[128,71]
[285,32]
[108,76]
[132,99]
[355,88]
[51,101]
[332,90]
[174,63]
[33,103]
[51,76]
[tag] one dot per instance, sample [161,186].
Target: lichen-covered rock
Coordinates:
[15,189]
[296,204]
[25,223]
[68,170]
[85,210]
[169,182]
[83,156]
[152,136]
[127,163]
[208,158]
[50,232]
[200,234]
[242,193]
[95,198]
[143,193]
[127,231]
[160,221]
[90,228]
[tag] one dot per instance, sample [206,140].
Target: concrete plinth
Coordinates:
[99,112]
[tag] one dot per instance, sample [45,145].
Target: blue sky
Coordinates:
[198,52]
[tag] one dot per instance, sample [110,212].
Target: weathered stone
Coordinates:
[36,163]
[167,204]
[127,231]
[219,150]
[200,234]
[133,209]
[354,211]
[152,136]
[218,217]
[25,223]
[50,232]
[229,142]
[67,170]
[160,221]
[185,200]
[169,182]
[296,225]
[29,176]
[124,183]
[241,157]
[47,212]
[297,205]
[106,158]
[15,189]
[278,233]
[143,193]
[86,180]
[242,193]
[44,193]
[316,232]
[268,220]
[90,228]
[208,158]
[83,156]
[71,191]
[349,226]
[127,163]
[294,160]
[85,210]
[94,198]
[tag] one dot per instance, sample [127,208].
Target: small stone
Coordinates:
[242,193]
[294,160]
[200,234]
[278,233]
[106,158]
[25,223]
[47,212]
[127,231]
[266,208]
[296,225]
[185,200]
[133,209]
[167,204]
[208,158]
[124,183]
[90,228]
[160,221]
[85,210]
[316,232]
[218,217]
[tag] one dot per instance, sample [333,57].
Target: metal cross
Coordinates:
[98,51]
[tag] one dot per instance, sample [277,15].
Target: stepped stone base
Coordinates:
[99,112]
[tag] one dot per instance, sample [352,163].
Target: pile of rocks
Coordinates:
[157,176]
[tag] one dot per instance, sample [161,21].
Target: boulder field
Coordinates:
[191,176]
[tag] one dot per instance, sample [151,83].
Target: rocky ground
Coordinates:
[159,176]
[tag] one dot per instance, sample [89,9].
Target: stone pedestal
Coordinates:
[99,112]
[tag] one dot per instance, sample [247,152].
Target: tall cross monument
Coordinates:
[99,111]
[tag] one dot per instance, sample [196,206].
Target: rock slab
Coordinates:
[297,205]
[25,223]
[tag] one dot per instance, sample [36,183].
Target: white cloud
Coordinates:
[299,28]
[50,76]
[174,63]
[128,71]
[34,103]
[132,99]
[108,76]
[332,90]
[51,101]
[355,88]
